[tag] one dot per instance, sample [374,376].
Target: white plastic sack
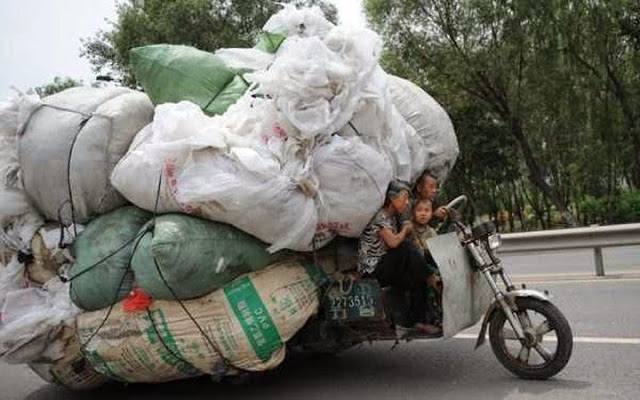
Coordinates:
[381,126]
[9,166]
[19,221]
[12,277]
[201,176]
[273,208]
[102,122]
[158,153]
[292,21]
[353,182]
[31,318]
[430,122]
[278,190]
[241,58]
[317,84]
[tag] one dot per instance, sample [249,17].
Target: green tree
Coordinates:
[559,76]
[205,24]
[58,85]
[605,44]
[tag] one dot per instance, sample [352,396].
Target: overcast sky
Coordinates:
[40,39]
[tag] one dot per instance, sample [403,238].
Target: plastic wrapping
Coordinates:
[12,277]
[31,318]
[18,219]
[72,142]
[171,73]
[292,21]
[431,123]
[317,84]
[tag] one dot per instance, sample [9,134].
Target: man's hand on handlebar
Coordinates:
[441,212]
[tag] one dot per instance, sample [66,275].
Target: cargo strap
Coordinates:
[213,346]
[149,228]
[115,298]
[85,118]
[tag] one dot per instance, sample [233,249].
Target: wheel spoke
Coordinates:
[509,334]
[543,352]
[544,328]
[524,354]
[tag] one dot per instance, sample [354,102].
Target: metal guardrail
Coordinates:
[593,237]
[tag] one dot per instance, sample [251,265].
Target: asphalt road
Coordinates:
[604,314]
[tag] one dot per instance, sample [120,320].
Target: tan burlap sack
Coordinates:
[248,322]
[159,345]
[258,313]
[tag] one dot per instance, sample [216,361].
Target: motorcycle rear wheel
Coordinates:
[540,320]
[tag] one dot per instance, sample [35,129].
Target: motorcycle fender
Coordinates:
[495,306]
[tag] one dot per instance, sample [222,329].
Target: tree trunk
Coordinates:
[635,172]
[536,176]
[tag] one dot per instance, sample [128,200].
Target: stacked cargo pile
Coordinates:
[161,235]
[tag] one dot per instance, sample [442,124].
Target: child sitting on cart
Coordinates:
[422,231]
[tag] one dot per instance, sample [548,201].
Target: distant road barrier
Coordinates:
[593,237]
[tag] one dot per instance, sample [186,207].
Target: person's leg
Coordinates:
[418,270]
[391,269]
[389,273]
[404,267]
[418,302]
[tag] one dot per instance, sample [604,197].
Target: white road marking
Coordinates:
[550,280]
[598,340]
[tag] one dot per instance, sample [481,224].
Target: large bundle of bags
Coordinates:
[160,235]
[306,153]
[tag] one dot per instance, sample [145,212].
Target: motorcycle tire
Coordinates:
[554,321]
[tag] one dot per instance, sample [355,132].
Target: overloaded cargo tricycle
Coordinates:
[528,334]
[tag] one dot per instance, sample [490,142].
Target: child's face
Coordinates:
[422,213]
[428,189]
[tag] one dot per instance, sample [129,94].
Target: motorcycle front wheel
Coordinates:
[548,341]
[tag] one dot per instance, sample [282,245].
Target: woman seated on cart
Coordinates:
[384,253]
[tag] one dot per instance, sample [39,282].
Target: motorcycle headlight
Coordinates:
[494,241]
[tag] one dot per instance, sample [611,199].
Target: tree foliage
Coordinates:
[58,85]
[205,24]
[548,90]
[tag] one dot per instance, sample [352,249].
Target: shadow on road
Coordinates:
[412,371]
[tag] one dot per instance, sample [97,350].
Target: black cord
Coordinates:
[115,297]
[69,201]
[354,128]
[166,346]
[214,348]
[92,266]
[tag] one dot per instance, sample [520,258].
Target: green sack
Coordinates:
[110,280]
[172,73]
[195,256]
[269,42]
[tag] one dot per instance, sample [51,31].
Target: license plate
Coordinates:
[353,301]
